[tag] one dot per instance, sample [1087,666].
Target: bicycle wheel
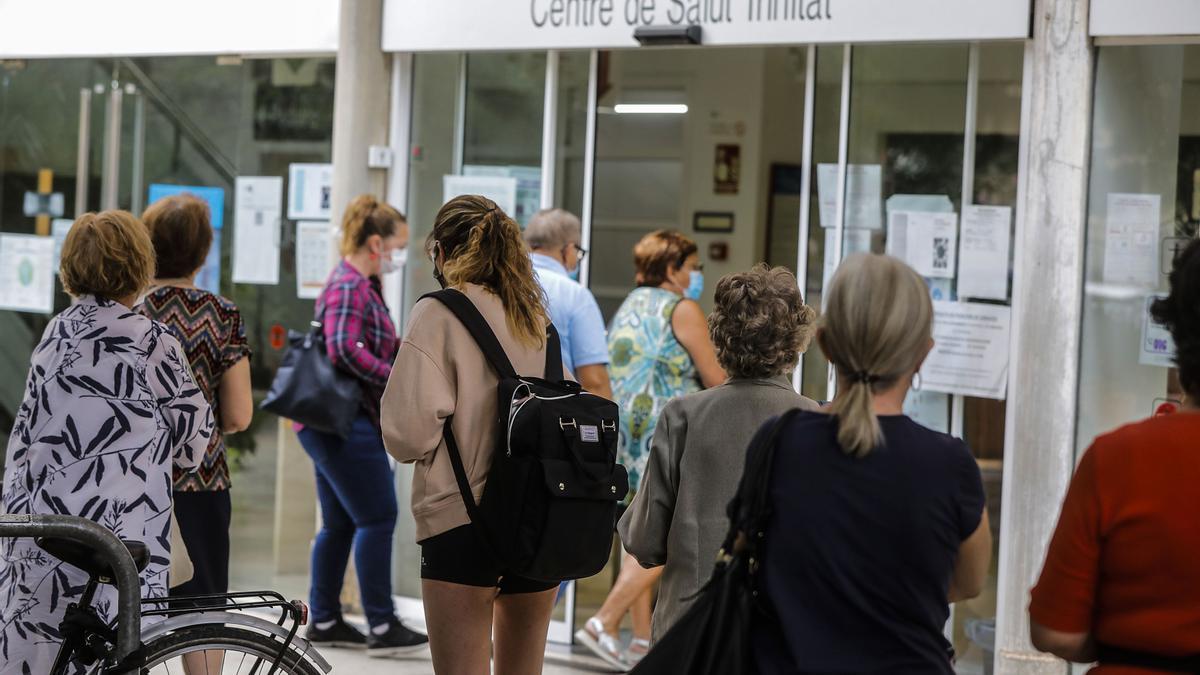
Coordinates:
[245,652]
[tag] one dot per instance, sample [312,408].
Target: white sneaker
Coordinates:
[602,644]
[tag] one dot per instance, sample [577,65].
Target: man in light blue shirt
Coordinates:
[554,236]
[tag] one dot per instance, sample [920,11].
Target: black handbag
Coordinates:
[714,636]
[310,390]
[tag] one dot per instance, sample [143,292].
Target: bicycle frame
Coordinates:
[129,590]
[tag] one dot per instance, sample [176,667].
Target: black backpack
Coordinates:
[550,502]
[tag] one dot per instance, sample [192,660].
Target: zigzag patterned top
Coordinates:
[211,331]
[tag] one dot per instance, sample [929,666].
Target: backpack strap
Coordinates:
[554,362]
[460,472]
[467,313]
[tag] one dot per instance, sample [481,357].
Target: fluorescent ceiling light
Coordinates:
[650,109]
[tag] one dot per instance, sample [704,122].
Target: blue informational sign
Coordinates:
[210,275]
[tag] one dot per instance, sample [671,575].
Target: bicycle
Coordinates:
[181,625]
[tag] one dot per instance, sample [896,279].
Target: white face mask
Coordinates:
[395,262]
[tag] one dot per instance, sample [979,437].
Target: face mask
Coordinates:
[695,285]
[394,262]
[437,274]
[573,275]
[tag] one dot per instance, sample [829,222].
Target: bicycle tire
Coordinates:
[218,637]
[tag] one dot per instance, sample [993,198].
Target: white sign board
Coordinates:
[310,191]
[500,189]
[1158,348]
[1131,246]
[864,195]
[257,216]
[529,187]
[422,25]
[1111,18]
[313,257]
[970,351]
[983,252]
[27,273]
[59,227]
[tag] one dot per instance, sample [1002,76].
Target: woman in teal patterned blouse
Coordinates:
[659,349]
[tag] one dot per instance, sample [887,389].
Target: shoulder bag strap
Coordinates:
[554,362]
[749,507]
[467,313]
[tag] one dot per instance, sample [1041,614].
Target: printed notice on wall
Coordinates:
[310,191]
[313,257]
[970,352]
[258,210]
[983,252]
[864,195]
[853,241]
[500,189]
[27,273]
[1158,348]
[1131,239]
[926,241]
[529,188]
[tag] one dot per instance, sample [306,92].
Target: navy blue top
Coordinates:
[859,552]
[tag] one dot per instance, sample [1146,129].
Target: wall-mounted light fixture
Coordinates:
[657,36]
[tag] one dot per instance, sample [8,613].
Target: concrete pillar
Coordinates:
[1040,434]
[361,105]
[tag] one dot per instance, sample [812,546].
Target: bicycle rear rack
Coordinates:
[84,531]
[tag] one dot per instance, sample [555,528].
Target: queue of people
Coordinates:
[878,523]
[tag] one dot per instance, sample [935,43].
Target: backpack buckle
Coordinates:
[608,425]
[563,424]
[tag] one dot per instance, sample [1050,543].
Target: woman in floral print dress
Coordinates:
[110,407]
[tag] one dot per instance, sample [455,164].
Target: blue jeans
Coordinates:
[358,510]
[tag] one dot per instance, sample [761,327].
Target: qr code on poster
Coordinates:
[941,253]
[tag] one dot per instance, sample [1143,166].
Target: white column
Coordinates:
[1048,274]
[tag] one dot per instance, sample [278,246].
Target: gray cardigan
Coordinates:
[678,517]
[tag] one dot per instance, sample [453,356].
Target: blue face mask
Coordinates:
[573,275]
[695,285]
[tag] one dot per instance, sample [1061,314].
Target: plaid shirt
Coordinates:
[359,333]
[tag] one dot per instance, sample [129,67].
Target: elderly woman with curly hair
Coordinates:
[760,327]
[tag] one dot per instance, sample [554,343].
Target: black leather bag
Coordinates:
[713,636]
[550,502]
[310,390]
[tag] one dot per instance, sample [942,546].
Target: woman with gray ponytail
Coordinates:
[878,523]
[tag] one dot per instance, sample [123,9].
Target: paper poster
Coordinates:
[209,277]
[27,273]
[864,195]
[930,409]
[310,191]
[59,227]
[1131,232]
[970,352]
[983,252]
[853,241]
[926,241]
[1158,348]
[529,188]
[314,261]
[500,189]
[257,217]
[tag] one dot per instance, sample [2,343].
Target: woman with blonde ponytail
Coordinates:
[470,600]
[878,522]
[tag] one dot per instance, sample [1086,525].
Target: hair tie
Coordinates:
[863,377]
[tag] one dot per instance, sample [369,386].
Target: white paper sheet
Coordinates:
[1131,233]
[929,409]
[500,189]
[864,195]
[1158,348]
[853,241]
[257,216]
[970,352]
[983,252]
[310,190]
[27,273]
[313,258]
[529,187]
[59,227]
[926,241]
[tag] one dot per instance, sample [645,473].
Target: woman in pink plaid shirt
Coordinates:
[354,478]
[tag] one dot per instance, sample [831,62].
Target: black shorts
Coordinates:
[459,556]
[204,519]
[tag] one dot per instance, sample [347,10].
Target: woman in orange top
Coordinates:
[1121,583]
